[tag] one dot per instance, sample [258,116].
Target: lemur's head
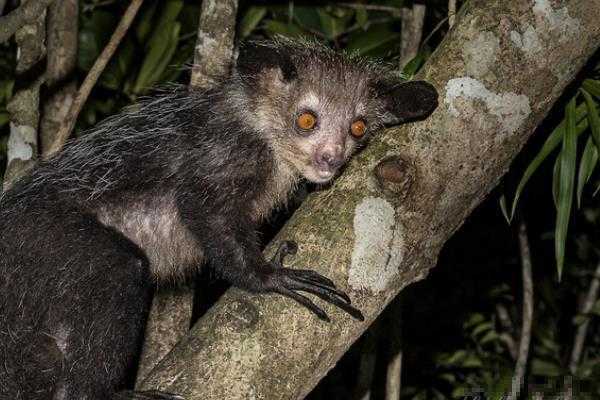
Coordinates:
[316,106]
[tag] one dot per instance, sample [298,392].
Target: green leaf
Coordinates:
[251,19]
[548,147]
[544,368]
[362,17]
[94,33]
[556,181]
[504,208]
[157,74]
[4,118]
[373,41]
[489,337]
[274,28]
[144,22]
[567,179]
[592,86]
[482,327]
[411,68]
[160,47]
[588,162]
[118,68]
[307,18]
[593,118]
[331,26]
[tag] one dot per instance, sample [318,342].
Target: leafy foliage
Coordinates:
[569,180]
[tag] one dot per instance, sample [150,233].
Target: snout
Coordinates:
[327,162]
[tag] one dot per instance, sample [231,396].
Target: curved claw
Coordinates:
[146,395]
[330,294]
[306,302]
[291,280]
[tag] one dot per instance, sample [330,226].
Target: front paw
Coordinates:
[289,282]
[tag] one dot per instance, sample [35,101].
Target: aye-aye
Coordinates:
[178,181]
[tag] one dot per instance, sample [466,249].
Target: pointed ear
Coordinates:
[255,57]
[406,101]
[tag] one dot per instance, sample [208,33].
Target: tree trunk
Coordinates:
[498,73]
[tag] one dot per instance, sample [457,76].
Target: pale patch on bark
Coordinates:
[510,109]
[378,246]
[552,28]
[20,142]
[480,54]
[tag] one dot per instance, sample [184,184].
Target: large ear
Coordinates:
[254,57]
[406,101]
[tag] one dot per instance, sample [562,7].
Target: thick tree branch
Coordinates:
[90,80]
[24,106]
[214,45]
[62,32]
[28,12]
[374,239]
[170,316]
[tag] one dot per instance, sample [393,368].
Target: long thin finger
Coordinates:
[329,288]
[330,296]
[306,302]
[312,275]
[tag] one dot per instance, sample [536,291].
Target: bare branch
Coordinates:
[93,75]
[451,12]
[24,105]
[62,33]
[519,374]
[412,32]
[374,7]
[580,335]
[26,13]
[214,46]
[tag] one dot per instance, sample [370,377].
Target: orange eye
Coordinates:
[306,121]
[358,128]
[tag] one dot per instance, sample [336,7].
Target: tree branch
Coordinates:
[62,32]
[580,335]
[374,239]
[214,46]
[451,12]
[25,14]
[412,32]
[519,374]
[24,106]
[92,76]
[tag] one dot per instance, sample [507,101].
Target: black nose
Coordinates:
[329,161]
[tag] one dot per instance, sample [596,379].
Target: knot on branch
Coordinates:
[395,176]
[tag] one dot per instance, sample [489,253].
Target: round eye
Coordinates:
[358,128]
[306,121]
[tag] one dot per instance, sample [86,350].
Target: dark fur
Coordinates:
[149,195]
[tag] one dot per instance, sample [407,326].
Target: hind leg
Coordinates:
[99,313]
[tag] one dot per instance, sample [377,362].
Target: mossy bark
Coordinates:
[498,73]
